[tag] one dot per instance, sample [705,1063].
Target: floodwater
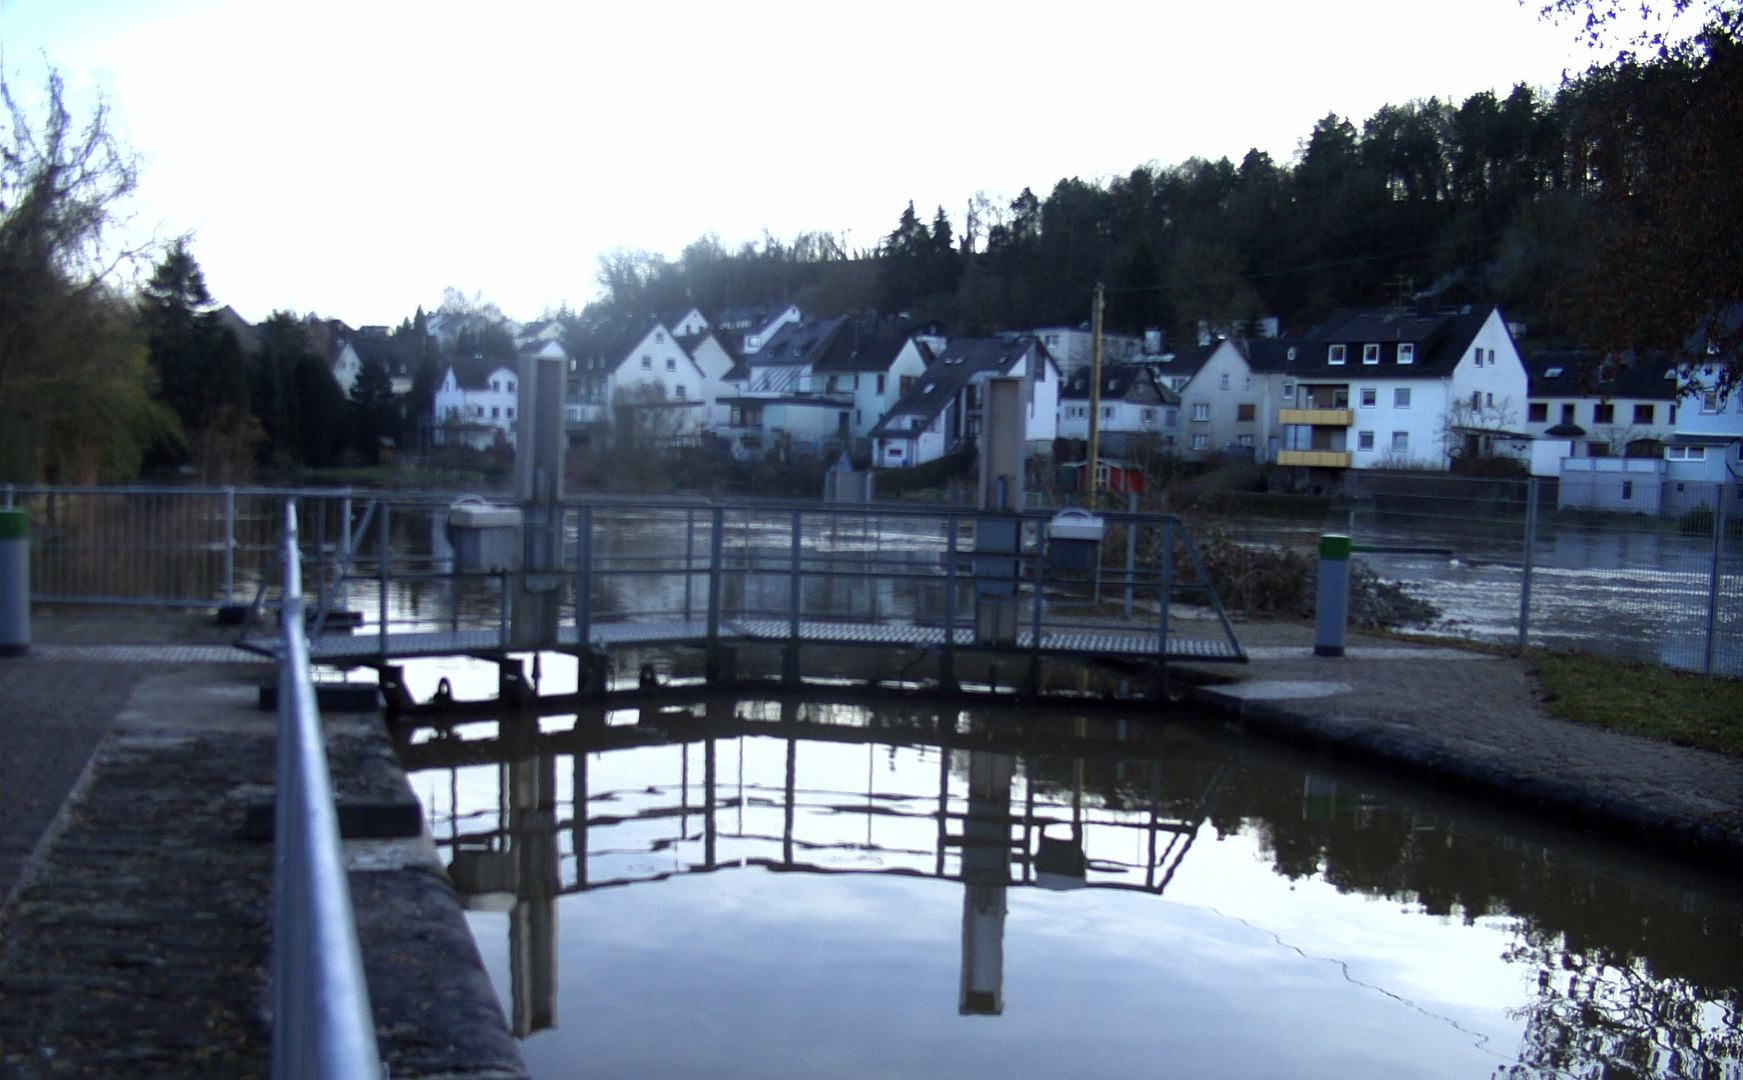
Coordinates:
[760,889]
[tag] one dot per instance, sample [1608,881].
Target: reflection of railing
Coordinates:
[977,827]
[322,1026]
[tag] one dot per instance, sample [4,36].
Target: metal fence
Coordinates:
[1513,565]
[322,1026]
[1508,562]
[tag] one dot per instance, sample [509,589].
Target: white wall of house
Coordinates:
[1117,418]
[690,324]
[1211,405]
[806,424]
[346,367]
[479,417]
[1074,347]
[917,445]
[756,338]
[1041,424]
[658,360]
[877,391]
[1398,422]
[713,362]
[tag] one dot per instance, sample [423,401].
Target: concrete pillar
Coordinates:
[1332,613]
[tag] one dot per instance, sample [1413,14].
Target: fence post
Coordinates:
[947,659]
[584,579]
[1131,549]
[1713,580]
[716,555]
[689,557]
[229,541]
[381,541]
[1525,562]
[795,599]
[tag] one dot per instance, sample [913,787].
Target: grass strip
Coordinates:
[1680,707]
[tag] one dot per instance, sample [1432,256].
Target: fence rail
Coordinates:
[1664,587]
[322,1026]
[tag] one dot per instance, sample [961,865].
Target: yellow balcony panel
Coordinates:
[1317,417]
[1319,459]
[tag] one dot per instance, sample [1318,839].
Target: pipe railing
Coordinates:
[321,1021]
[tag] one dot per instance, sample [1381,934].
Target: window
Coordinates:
[1672,419]
[478,410]
[1244,440]
[1364,440]
[1643,414]
[510,411]
[1567,414]
[1686,453]
[1247,383]
[1172,417]
[678,392]
[1476,399]
[1627,490]
[1489,401]
[1200,441]
[1201,411]
[1225,381]
[880,384]
[1244,414]
[1107,412]
[671,364]
[1401,442]
[1148,416]
[1371,354]
[511,386]
[1076,412]
[495,413]
[1537,412]
[1710,402]
[1401,398]
[1370,397]
[1603,414]
[660,336]
[1406,352]
[1335,355]
[647,363]
[1288,391]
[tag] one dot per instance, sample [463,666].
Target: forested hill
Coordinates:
[1597,213]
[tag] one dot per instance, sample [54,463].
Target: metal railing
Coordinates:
[321,1021]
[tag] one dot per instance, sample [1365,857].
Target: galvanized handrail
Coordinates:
[322,1026]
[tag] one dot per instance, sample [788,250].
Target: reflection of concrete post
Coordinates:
[538,487]
[986,872]
[532,926]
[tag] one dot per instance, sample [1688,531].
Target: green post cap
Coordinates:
[1334,546]
[14,523]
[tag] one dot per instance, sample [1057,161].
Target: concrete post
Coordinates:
[1332,617]
[14,581]
[538,487]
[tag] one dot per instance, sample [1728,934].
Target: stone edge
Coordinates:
[1571,803]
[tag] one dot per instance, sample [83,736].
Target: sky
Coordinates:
[354,158]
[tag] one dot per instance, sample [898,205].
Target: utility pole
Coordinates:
[1094,396]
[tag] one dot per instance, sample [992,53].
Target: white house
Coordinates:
[1602,408]
[1073,347]
[1394,388]
[755,324]
[1135,409]
[1224,405]
[870,362]
[636,365]
[475,402]
[944,406]
[1706,449]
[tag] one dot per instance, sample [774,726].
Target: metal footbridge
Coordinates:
[734,581]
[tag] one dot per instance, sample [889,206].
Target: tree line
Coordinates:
[1601,213]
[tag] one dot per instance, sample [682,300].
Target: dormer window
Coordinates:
[1335,355]
[1371,353]
[1552,373]
[1406,352]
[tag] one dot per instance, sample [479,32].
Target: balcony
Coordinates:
[1318,459]
[1317,417]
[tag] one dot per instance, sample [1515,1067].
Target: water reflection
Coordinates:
[1076,849]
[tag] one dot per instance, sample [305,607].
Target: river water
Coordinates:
[817,890]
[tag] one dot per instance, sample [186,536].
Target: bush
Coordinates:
[1280,582]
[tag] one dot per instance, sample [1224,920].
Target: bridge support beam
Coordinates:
[594,677]
[720,668]
[790,665]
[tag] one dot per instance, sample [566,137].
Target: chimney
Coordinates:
[1152,340]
